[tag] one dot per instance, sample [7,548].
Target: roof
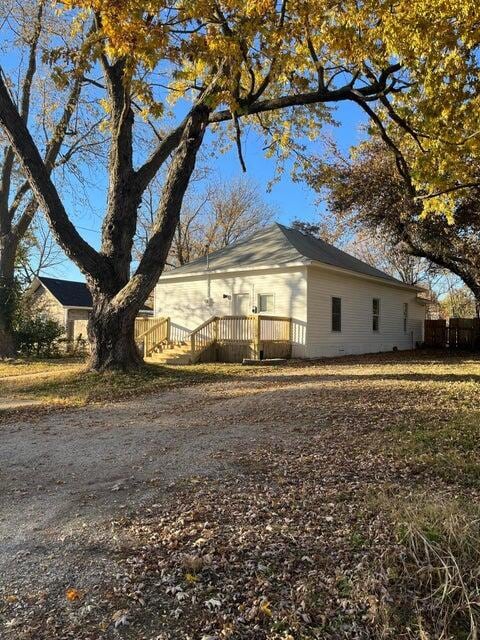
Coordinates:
[278,245]
[70,293]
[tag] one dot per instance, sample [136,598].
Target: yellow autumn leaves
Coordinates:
[435,40]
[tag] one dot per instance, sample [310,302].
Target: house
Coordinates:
[67,302]
[338,304]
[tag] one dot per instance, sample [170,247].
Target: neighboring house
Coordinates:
[67,302]
[339,304]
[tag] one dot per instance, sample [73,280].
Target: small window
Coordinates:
[405,317]
[376,314]
[265,303]
[336,314]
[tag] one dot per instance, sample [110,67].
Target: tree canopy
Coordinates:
[275,48]
[364,191]
[174,70]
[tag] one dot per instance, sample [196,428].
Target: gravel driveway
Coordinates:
[66,475]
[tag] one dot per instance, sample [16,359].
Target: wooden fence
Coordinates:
[456,333]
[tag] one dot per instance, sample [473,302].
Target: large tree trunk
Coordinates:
[7,296]
[111,336]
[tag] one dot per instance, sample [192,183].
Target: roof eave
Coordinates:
[170,275]
[392,283]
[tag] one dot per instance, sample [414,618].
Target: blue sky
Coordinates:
[289,199]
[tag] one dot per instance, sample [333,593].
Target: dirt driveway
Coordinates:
[280,464]
[63,475]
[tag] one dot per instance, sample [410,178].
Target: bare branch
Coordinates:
[45,192]
[371,92]
[457,187]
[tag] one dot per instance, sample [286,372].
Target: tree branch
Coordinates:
[371,92]
[458,187]
[145,174]
[178,178]
[401,163]
[6,215]
[88,260]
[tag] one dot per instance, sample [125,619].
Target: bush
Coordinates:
[38,336]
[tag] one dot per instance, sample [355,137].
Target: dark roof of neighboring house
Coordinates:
[280,245]
[71,294]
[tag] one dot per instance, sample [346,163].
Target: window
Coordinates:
[336,314]
[376,314]
[265,303]
[405,317]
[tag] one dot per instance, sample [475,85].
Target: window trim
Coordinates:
[376,315]
[405,317]
[332,330]
[258,302]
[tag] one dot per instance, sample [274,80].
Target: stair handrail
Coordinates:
[143,337]
[197,330]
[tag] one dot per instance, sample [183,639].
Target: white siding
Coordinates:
[357,335]
[185,299]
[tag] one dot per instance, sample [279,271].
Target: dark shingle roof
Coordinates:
[68,293]
[279,245]
[71,294]
[319,250]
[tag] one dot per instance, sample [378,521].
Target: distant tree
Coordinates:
[458,303]
[211,218]
[366,193]
[372,247]
[37,253]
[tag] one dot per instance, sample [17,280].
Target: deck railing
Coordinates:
[239,329]
[253,330]
[275,328]
[143,324]
[235,328]
[151,332]
[203,336]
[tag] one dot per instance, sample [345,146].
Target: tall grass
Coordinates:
[439,569]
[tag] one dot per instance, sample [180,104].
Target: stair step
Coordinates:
[172,360]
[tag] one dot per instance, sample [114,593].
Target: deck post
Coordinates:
[192,344]
[256,336]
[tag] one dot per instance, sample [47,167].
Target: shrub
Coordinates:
[38,336]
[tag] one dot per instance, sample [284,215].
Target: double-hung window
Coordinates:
[376,314]
[265,303]
[336,314]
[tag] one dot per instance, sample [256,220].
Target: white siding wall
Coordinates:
[357,335]
[184,299]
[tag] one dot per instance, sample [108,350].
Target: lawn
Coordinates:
[63,382]
[354,513]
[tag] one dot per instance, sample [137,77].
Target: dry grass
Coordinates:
[366,527]
[433,570]
[65,383]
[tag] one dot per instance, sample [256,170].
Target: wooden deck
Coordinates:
[221,338]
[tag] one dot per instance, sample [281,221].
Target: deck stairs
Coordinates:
[171,352]
[163,345]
